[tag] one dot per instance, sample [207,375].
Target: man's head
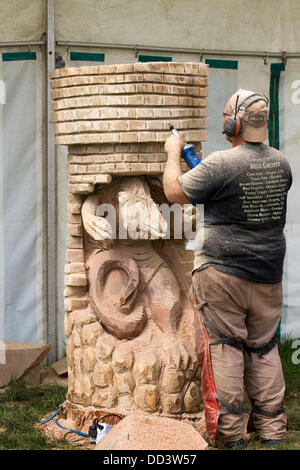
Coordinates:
[246,117]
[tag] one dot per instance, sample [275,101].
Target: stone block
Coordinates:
[128,137]
[90,333]
[76,338]
[83,317]
[74,255]
[125,383]
[146,397]
[92,169]
[89,359]
[139,168]
[154,168]
[70,350]
[105,397]
[77,267]
[192,399]
[104,347]
[77,358]
[123,168]
[68,324]
[78,390]
[72,303]
[172,381]
[75,198]
[103,375]
[74,208]
[76,279]
[125,402]
[75,229]
[143,432]
[146,368]
[171,403]
[87,388]
[79,188]
[122,358]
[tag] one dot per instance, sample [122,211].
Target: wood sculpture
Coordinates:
[129,322]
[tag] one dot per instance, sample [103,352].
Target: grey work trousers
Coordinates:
[249,313]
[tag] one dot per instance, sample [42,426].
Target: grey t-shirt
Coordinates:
[244,192]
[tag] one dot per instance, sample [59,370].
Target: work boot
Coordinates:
[235,445]
[271,442]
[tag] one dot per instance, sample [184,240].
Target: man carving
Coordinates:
[238,271]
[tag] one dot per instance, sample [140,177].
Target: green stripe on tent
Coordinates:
[222,64]
[278,331]
[87,56]
[154,58]
[10,56]
[274,139]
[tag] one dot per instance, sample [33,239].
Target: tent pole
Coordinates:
[27,44]
[51,195]
[208,52]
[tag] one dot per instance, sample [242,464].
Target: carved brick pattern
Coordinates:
[129,103]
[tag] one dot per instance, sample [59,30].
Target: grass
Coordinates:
[22,407]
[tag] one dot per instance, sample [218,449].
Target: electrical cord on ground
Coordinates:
[182,400]
[62,427]
[51,417]
[74,431]
[74,440]
[110,414]
[71,430]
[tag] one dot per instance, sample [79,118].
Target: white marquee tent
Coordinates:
[251,45]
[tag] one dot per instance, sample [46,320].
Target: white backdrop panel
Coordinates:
[21,197]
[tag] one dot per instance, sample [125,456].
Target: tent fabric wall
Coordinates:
[271,25]
[289,112]
[21,199]
[268,25]
[21,187]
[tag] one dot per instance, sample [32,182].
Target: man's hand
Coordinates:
[174,144]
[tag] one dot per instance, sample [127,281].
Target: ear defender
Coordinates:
[232,126]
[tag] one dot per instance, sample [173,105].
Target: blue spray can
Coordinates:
[188,152]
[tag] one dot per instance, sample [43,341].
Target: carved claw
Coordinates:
[98,227]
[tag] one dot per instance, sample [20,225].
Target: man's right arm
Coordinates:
[172,188]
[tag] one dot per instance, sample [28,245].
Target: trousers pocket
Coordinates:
[214,285]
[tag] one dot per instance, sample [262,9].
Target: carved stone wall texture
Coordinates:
[114,120]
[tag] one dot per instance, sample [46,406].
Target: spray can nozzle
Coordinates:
[173,130]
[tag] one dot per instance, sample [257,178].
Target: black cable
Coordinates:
[73,440]
[181,406]
[110,414]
